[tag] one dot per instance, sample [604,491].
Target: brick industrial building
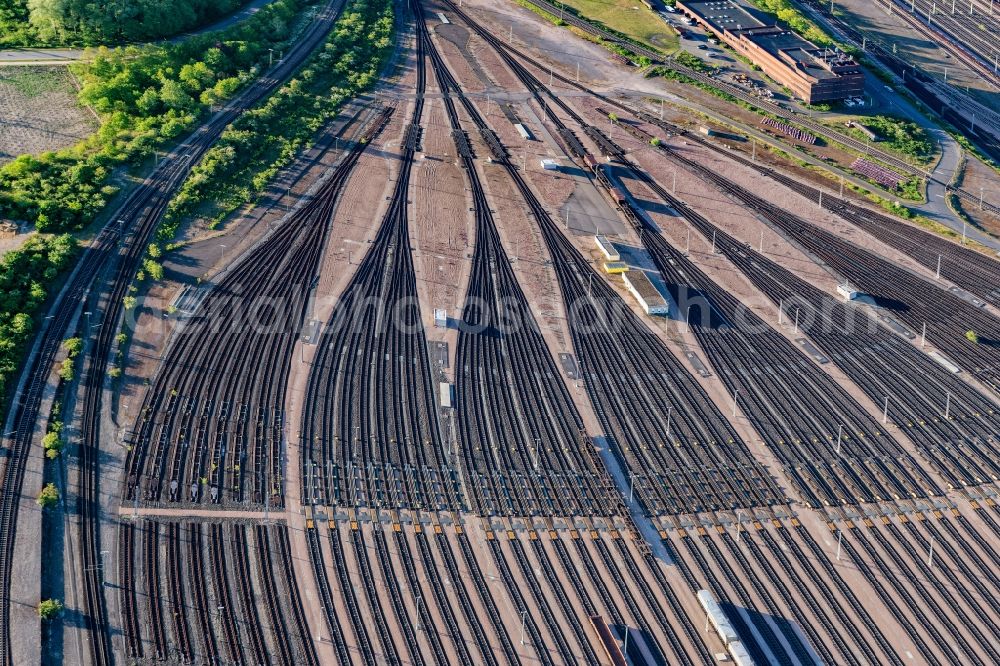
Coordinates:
[813,74]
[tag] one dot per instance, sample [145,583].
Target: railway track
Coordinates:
[126,573]
[769,107]
[177,605]
[120,244]
[677,271]
[961,32]
[424,619]
[199,586]
[151,565]
[971,270]
[885,366]
[882,644]
[528,447]
[223,595]
[580,274]
[221,385]
[347,586]
[371,430]
[914,300]
[390,654]
[680,271]
[265,575]
[326,598]
[309,655]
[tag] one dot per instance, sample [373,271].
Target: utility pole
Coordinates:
[930,553]
[524,614]
[923,336]
[885,411]
[947,406]
[938,276]
[840,437]
[736,395]
[840,540]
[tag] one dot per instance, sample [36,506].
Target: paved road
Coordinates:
[61,56]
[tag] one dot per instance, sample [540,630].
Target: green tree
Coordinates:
[49,609]
[972,337]
[52,443]
[48,496]
[66,371]
[73,346]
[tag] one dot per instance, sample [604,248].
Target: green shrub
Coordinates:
[48,496]
[50,609]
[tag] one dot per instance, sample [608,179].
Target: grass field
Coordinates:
[629,17]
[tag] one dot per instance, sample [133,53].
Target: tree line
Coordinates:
[26,275]
[147,97]
[86,23]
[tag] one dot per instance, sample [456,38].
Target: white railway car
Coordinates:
[740,655]
[717,618]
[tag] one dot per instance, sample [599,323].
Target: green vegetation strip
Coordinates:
[85,23]
[259,143]
[26,275]
[786,12]
[147,97]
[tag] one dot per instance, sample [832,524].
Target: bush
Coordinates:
[902,136]
[50,609]
[48,496]
[66,370]
[693,62]
[52,442]
[972,337]
[73,346]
